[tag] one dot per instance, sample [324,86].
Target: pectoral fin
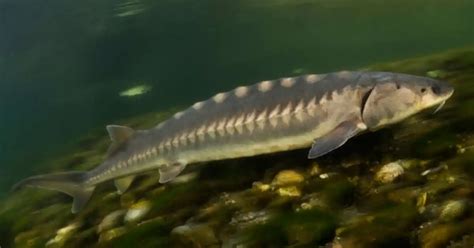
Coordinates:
[169,172]
[122,184]
[335,138]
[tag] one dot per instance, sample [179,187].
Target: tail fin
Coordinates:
[71,183]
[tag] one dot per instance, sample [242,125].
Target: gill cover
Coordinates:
[388,103]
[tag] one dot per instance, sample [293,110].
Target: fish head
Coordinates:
[395,97]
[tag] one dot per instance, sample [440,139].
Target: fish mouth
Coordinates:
[443,100]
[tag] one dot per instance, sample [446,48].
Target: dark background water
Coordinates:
[63,63]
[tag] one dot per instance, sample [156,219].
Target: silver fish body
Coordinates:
[321,111]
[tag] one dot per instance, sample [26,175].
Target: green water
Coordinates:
[65,67]
[63,63]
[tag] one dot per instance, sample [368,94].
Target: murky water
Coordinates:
[69,68]
[64,64]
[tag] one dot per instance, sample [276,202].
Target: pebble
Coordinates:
[389,172]
[194,235]
[137,211]
[452,210]
[63,234]
[291,191]
[287,177]
[261,187]
[111,220]
[314,170]
[247,219]
[112,234]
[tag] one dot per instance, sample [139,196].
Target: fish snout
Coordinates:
[442,89]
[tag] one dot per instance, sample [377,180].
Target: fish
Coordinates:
[136,90]
[318,111]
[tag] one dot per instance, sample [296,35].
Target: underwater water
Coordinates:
[68,68]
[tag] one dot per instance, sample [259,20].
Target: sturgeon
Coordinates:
[318,111]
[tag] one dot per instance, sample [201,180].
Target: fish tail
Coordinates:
[71,183]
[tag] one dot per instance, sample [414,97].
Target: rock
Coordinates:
[335,243]
[63,234]
[261,187]
[437,236]
[306,227]
[453,210]
[466,241]
[299,235]
[111,220]
[28,239]
[445,181]
[291,191]
[137,211]
[440,234]
[127,199]
[386,227]
[421,202]
[112,234]
[287,177]
[194,235]
[389,172]
[327,175]
[314,170]
[314,200]
[460,149]
[245,220]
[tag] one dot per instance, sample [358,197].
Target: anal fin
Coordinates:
[169,172]
[122,184]
[335,138]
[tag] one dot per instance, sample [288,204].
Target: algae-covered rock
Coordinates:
[442,234]
[466,241]
[62,235]
[378,228]
[287,177]
[111,234]
[111,220]
[389,172]
[137,211]
[262,187]
[453,210]
[249,219]
[290,191]
[194,235]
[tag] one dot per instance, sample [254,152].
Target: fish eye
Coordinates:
[423,90]
[436,89]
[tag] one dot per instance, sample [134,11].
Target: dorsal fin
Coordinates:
[119,134]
